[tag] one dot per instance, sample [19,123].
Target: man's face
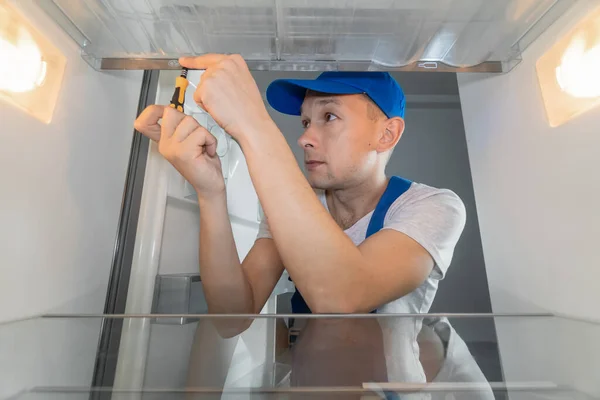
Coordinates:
[340,139]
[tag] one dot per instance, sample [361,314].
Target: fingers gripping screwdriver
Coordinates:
[181,84]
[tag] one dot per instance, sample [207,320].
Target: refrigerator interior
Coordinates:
[535,248]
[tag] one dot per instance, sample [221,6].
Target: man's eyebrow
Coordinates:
[324,101]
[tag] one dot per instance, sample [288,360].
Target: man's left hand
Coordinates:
[228,92]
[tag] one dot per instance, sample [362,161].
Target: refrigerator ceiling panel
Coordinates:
[444,35]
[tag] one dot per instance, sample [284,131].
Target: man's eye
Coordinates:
[330,117]
[305,124]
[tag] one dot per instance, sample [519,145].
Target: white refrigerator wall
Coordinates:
[536,188]
[537,191]
[62,188]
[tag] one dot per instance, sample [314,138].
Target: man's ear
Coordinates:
[393,129]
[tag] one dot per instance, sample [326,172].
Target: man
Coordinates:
[316,225]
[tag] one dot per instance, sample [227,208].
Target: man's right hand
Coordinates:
[190,148]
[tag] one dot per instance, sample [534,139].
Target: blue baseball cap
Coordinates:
[287,95]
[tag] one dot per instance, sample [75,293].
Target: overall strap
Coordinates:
[396,187]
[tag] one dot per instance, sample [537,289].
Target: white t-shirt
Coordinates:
[459,366]
[434,218]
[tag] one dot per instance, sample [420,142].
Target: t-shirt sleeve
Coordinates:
[434,220]
[263,230]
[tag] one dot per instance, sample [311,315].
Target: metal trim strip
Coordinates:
[273,65]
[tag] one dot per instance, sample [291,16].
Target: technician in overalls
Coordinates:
[318,226]
[352,239]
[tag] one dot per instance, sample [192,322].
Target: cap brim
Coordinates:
[287,95]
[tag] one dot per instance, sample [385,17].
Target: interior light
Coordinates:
[579,71]
[22,68]
[569,73]
[31,68]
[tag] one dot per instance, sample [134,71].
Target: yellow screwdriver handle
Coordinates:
[178,100]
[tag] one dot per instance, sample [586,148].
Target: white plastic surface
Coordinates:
[536,189]
[385,32]
[135,336]
[62,188]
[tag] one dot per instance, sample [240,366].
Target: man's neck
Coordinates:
[349,205]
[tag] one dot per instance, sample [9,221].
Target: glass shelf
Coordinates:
[433,35]
[316,356]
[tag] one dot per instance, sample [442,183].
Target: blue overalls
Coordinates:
[396,187]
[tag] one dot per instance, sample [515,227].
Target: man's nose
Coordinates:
[308,139]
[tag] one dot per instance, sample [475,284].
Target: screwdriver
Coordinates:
[181,84]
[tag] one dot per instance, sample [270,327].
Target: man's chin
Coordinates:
[319,184]
[322,180]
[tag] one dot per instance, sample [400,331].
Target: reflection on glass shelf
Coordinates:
[267,356]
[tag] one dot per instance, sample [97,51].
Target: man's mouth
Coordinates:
[312,164]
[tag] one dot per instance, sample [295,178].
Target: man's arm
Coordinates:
[232,287]
[333,274]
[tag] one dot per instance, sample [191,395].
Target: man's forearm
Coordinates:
[312,247]
[225,286]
